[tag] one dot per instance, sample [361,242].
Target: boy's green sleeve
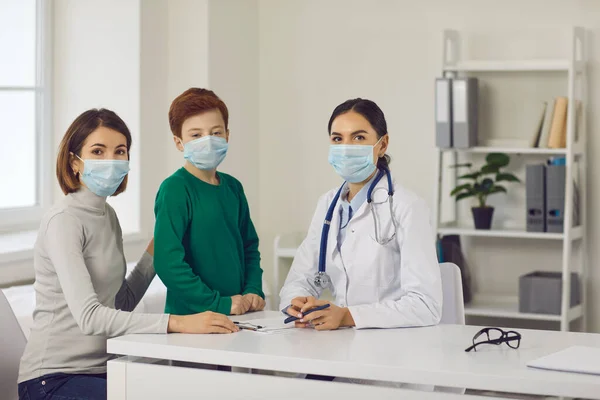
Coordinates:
[172,211]
[253,271]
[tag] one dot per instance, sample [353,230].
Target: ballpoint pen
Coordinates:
[241,325]
[292,318]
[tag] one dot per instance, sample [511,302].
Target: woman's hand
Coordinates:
[206,322]
[150,248]
[257,303]
[239,305]
[328,319]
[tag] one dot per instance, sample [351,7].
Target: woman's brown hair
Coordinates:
[73,141]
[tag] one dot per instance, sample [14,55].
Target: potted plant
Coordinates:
[484,182]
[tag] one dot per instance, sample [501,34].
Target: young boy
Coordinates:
[206,247]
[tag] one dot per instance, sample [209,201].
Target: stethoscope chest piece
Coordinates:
[322,280]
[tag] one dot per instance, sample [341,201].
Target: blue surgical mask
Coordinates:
[103,177]
[353,162]
[206,153]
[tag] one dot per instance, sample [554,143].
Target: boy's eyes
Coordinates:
[197,135]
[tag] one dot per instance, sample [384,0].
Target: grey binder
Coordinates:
[464,112]
[555,198]
[535,181]
[443,113]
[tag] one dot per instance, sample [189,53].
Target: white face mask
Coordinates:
[353,162]
[103,177]
[205,153]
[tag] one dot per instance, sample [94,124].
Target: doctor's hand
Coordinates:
[206,322]
[257,303]
[239,305]
[330,318]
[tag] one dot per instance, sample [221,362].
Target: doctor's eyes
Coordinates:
[338,139]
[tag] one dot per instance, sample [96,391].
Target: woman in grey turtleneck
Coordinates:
[82,295]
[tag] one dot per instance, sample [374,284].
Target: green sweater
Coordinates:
[206,247]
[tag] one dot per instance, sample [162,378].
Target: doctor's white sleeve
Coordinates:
[300,279]
[419,301]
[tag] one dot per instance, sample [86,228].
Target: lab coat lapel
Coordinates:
[334,230]
[379,194]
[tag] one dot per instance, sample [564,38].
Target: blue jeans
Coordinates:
[64,387]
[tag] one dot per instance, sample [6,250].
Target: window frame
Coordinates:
[27,218]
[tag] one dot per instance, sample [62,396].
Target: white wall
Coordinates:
[233,75]
[97,64]
[187,58]
[155,138]
[315,54]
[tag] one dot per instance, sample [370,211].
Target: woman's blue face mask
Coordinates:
[103,177]
[353,162]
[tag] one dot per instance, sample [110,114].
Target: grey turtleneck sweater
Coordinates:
[82,296]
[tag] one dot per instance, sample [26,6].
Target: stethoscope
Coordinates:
[322,280]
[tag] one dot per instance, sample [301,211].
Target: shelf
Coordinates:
[284,252]
[509,150]
[510,65]
[508,307]
[505,233]
[514,150]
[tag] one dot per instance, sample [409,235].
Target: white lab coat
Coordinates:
[384,286]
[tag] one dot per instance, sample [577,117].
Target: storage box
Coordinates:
[540,292]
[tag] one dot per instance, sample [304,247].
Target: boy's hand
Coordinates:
[239,305]
[257,303]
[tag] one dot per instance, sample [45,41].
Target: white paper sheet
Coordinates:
[268,325]
[580,359]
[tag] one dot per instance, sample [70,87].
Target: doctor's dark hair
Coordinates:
[74,139]
[372,113]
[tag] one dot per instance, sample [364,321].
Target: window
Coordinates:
[25,154]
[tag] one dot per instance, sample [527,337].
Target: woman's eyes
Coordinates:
[359,137]
[99,152]
[336,139]
[216,133]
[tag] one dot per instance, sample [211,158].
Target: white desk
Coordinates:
[431,355]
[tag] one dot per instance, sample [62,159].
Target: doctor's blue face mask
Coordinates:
[206,153]
[353,162]
[103,177]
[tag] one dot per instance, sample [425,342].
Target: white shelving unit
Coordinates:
[574,68]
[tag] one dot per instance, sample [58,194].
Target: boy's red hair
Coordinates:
[192,102]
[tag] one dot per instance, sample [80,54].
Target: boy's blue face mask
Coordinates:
[206,153]
[103,177]
[353,162]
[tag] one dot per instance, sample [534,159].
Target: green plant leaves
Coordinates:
[497,159]
[464,195]
[490,169]
[460,188]
[484,186]
[505,176]
[473,175]
[498,189]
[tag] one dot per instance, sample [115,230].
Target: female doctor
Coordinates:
[370,241]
